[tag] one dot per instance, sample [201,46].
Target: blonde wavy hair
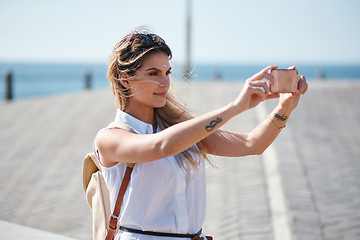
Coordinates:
[128,56]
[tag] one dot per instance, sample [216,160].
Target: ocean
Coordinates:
[35,79]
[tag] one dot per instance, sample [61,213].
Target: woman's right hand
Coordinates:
[255,90]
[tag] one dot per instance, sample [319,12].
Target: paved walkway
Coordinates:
[320,168]
[306,186]
[14,231]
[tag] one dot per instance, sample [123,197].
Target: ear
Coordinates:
[123,79]
[125,83]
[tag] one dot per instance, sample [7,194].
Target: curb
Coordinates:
[11,231]
[277,202]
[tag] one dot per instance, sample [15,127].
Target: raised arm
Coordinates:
[116,145]
[233,144]
[121,146]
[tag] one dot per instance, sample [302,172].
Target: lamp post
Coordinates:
[188,40]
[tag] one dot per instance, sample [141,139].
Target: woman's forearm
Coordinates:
[265,133]
[185,134]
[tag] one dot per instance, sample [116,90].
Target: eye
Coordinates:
[153,73]
[168,72]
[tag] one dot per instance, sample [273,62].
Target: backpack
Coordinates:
[97,193]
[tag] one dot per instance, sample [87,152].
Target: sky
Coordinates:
[223,32]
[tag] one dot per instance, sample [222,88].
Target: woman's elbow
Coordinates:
[164,149]
[259,151]
[255,149]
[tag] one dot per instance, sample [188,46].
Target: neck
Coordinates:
[145,115]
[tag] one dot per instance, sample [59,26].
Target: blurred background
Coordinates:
[56,46]
[50,51]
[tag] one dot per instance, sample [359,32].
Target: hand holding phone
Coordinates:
[285,80]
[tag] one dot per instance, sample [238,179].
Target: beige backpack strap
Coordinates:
[121,125]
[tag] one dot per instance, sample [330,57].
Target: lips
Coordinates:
[161,94]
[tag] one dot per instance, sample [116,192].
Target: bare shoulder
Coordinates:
[109,142]
[119,145]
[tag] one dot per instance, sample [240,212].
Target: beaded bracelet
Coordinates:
[280,128]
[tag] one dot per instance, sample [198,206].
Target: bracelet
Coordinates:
[280,128]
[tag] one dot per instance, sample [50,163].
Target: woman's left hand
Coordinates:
[291,100]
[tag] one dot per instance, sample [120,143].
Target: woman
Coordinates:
[166,193]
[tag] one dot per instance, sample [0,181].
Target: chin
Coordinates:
[160,105]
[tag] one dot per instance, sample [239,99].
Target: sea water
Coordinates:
[35,79]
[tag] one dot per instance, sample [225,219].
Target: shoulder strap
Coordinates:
[92,165]
[114,217]
[125,182]
[121,125]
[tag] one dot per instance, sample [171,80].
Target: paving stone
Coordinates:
[325,130]
[44,140]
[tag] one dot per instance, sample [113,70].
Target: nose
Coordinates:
[165,82]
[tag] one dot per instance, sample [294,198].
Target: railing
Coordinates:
[30,80]
[22,86]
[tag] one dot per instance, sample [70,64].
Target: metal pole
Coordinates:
[87,80]
[188,40]
[8,86]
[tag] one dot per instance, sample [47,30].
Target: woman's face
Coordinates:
[149,86]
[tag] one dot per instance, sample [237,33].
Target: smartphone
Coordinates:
[285,80]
